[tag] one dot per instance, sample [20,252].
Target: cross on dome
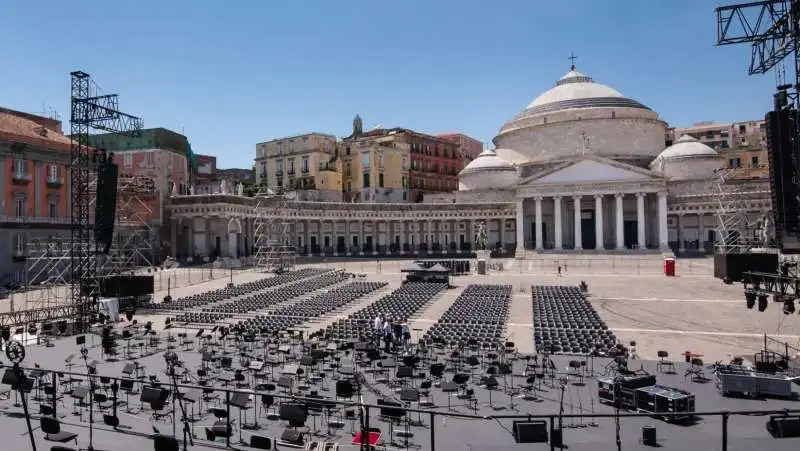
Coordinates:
[572,58]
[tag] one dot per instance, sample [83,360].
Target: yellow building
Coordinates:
[375,167]
[307,164]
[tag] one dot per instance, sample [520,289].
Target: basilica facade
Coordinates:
[581,169]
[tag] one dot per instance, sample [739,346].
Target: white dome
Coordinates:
[576,90]
[488,161]
[687,147]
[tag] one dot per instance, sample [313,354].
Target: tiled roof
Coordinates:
[18,129]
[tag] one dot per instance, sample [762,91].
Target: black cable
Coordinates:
[617,408]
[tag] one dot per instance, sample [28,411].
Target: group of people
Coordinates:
[395,334]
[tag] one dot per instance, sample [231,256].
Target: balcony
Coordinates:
[279,173]
[327,166]
[21,177]
[55,182]
[304,170]
[54,220]
[18,256]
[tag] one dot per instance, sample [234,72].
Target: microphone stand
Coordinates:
[85,357]
[187,435]
[563,382]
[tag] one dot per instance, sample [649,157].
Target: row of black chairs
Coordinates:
[218,295]
[318,305]
[398,305]
[564,322]
[478,314]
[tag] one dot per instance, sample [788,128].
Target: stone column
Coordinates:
[321,237]
[306,236]
[663,236]
[681,241]
[620,230]
[173,237]
[375,234]
[403,237]
[210,244]
[640,225]
[701,231]
[361,237]
[538,224]
[333,238]
[598,222]
[457,235]
[4,182]
[558,235]
[578,231]
[520,223]
[347,239]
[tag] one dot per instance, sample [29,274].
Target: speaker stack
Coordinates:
[781,125]
[105,209]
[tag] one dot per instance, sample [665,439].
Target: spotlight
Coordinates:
[788,306]
[762,302]
[750,297]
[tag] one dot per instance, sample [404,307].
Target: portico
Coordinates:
[591,203]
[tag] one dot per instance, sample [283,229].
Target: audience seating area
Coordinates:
[222,294]
[262,300]
[564,322]
[320,304]
[478,317]
[398,305]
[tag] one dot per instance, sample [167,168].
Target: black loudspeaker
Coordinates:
[782,178]
[784,427]
[292,436]
[557,437]
[530,431]
[126,286]
[731,267]
[105,209]
[649,437]
[259,442]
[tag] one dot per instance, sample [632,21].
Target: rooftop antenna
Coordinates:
[572,58]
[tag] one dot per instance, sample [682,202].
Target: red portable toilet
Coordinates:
[669,266]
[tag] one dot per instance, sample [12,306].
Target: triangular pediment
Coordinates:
[590,170]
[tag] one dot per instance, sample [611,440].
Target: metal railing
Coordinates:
[368,414]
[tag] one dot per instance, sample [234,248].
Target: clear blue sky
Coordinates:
[234,73]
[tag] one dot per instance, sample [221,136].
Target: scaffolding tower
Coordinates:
[48,267]
[274,249]
[734,232]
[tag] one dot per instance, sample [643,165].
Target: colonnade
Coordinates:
[599,222]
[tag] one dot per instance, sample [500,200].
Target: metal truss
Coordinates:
[274,249]
[88,111]
[37,316]
[47,266]
[770,25]
[135,238]
[785,285]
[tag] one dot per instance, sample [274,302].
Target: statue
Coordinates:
[223,187]
[174,189]
[191,190]
[240,189]
[482,238]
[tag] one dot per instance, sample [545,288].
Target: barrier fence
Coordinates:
[437,429]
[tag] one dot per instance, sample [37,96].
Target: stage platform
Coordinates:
[485,431]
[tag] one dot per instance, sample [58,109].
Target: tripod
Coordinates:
[15,352]
[172,361]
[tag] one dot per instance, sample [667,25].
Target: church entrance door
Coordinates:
[588,238]
[341,245]
[631,232]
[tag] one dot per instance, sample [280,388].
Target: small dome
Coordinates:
[488,161]
[687,147]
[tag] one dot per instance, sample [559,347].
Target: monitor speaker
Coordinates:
[783,180]
[784,427]
[530,431]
